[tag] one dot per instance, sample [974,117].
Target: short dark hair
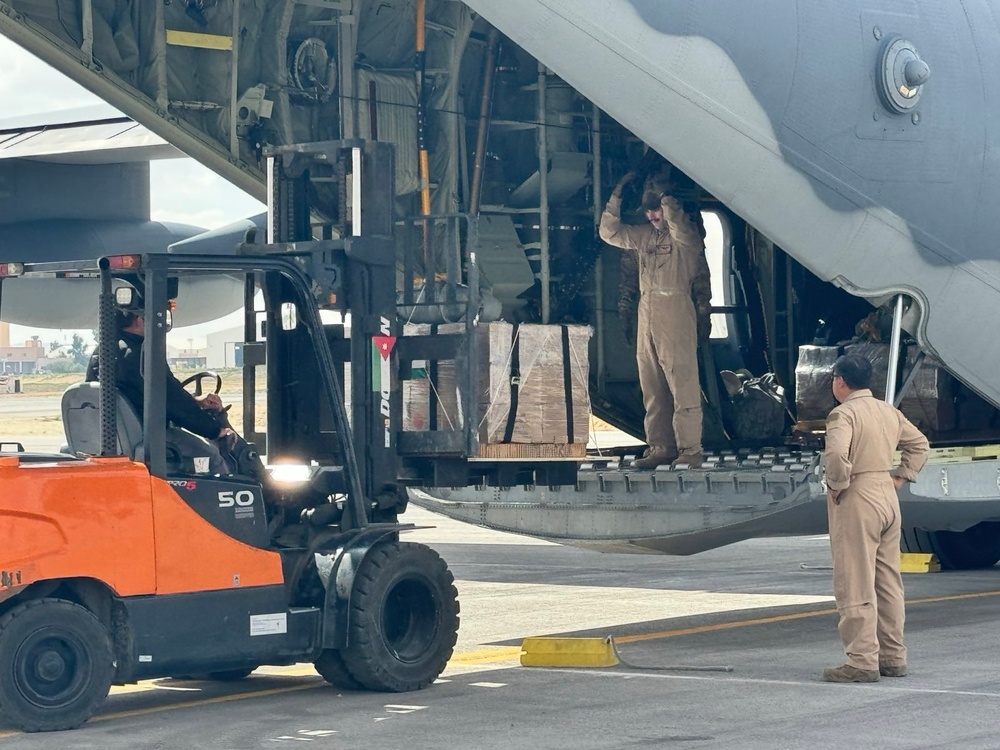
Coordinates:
[123,318]
[855,370]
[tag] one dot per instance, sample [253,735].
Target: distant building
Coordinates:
[19,360]
[225,348]
[186,359]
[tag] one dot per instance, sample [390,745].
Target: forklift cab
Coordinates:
[292,395]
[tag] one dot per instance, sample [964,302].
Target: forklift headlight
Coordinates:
[290,473]
[127,298]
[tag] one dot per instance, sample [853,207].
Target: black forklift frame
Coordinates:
[346,189]
[155,269]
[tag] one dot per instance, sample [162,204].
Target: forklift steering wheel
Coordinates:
[199,377]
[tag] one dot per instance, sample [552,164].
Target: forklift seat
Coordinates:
[81,415]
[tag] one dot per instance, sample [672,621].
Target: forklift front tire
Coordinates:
[330,666]
[403,619]
[56,665]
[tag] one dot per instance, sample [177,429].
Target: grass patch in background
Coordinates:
[53,384]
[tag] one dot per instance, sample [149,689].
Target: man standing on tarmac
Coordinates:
[861,437]
[675,295]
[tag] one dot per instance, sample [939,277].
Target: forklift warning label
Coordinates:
[275,624]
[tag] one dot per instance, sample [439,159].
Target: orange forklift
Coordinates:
[121,560]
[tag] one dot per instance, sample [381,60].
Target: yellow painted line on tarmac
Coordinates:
[720,626]
[782,618]
[295,670]
[208,701]
[954,597]
[469,658]
[486,656]
[137,687]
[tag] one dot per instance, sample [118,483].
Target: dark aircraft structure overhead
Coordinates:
[76,185]
[846,149]
[856,136]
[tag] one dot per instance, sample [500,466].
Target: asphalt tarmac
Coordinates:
[762,607]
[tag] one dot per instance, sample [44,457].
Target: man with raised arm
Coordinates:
[675,296]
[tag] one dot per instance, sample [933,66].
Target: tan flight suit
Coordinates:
[861,436]
[673,273]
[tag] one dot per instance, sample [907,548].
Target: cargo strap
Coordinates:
[515,383]
[567,384]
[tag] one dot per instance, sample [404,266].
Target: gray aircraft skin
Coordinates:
[856,137]
[76,186]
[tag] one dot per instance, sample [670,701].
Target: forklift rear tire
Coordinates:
[403,618]
[56,665]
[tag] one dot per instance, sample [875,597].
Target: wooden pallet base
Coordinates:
[530,451]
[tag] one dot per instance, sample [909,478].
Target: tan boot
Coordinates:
[847,673]
[892,670]
[689,460]
[654,458]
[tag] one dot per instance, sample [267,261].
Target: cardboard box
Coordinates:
[533,390]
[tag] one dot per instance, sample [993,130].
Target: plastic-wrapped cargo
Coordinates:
[814,376]
[431,383]
[878,354]
[929,402]
[814,382]
[533,397]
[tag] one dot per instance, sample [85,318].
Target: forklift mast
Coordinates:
[342,191]
[386,273]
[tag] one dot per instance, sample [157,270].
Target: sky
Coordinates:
[178,186]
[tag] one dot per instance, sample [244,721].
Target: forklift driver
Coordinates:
[194,422]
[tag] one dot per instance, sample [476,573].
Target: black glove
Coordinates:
[660,183]
[625,180]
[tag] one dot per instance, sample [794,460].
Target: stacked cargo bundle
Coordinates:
[814,382]
[877,353]
[532,400]
[929,402]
